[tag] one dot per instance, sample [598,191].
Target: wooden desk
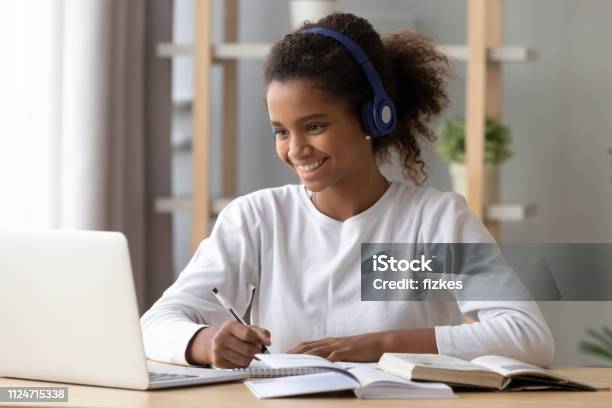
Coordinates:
[237,395]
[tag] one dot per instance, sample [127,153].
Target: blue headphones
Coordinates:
[378,114]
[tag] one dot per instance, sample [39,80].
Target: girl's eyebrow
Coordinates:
[303,119]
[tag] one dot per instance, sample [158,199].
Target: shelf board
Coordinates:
[221,51]
[232,51]
[164,205]
[501,54]
[171,50]
[509,212]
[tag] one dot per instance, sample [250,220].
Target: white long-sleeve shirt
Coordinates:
[305,268]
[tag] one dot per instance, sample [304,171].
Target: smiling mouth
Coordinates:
[310,167]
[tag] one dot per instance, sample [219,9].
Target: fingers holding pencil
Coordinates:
[261,332]
[235,345]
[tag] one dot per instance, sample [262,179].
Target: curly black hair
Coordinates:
[410,67]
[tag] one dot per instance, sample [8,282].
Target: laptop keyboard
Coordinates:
[155,376]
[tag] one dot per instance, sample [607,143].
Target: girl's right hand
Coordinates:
[233,345]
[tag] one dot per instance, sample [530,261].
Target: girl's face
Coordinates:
[316,135]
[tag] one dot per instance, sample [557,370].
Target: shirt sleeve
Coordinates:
[514,329]
[227,260]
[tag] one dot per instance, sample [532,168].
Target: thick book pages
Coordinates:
[365,380]
[524,376]
[489,372]
[436,367]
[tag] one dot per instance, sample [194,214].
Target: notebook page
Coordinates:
[437,361]
[507,366]
[296,361]
[376,383]
[370,375]
[259,369]
[347,365]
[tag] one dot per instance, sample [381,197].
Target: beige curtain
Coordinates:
[85,129]
[115,129]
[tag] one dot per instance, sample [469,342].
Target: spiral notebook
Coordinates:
[258,369]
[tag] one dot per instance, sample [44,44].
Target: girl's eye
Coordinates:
[280,133]
[315,128]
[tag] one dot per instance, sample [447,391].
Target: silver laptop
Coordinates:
[68,313]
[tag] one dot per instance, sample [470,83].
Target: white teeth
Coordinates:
[310,167]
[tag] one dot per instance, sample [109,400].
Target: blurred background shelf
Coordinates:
[232,51]
[509,212]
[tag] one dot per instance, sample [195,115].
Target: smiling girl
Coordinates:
[293,252]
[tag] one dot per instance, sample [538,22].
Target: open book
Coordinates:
[492,372]
[365,380]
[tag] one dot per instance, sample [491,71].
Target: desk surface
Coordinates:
[237,395]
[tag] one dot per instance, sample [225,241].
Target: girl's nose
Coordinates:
[299,148]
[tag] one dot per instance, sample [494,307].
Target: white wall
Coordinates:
[557,107]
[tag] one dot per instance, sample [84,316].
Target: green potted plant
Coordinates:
[600,344]
[451,146]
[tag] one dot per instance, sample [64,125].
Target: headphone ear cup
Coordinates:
[384,117]
[367,113]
